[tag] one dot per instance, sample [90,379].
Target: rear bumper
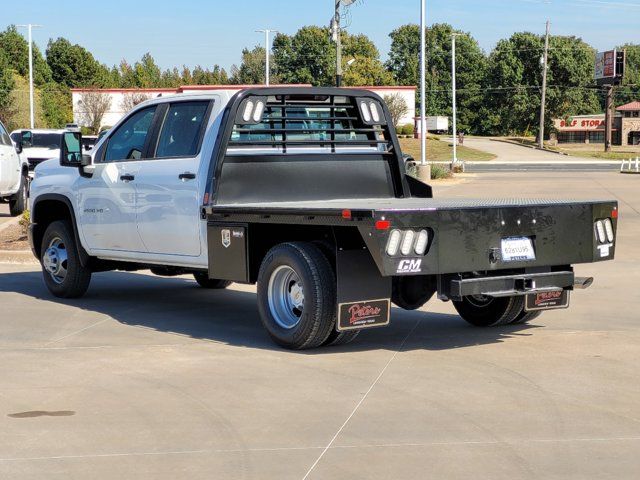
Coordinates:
[507,285]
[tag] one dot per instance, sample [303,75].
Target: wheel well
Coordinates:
[44,213]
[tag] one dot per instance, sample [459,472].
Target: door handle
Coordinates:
[187,176]
[127,178]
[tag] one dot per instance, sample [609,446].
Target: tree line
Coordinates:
[498,91]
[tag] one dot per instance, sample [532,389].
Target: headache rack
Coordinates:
[310,123]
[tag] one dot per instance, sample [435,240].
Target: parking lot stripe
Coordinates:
[353,412]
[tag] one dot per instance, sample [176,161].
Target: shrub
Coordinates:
[407,129]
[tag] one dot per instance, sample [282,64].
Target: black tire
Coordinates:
[483,311]
[18,202]
[412,292]
[303,267]
[340,338]
[525,317]
[205,282]
[75,280]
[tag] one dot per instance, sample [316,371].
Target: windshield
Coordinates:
[45,140]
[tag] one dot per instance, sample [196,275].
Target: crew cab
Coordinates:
[14,175]
[304,192]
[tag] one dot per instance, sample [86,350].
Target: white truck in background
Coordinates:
[437,124]
[14,174]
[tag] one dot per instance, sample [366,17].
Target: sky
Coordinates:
[201,32]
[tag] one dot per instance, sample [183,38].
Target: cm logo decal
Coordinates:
[409,266]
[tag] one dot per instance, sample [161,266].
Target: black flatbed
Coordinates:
[371,205]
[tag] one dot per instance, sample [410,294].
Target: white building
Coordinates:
[119,98]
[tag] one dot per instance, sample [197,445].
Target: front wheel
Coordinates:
[297,295]
[486,311]
[63,274]
[18,203]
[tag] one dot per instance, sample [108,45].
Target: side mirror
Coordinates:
[71,150]
[19,147]
[26,137]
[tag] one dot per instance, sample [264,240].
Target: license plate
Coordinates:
[517,249]
[365,314]
[546,301]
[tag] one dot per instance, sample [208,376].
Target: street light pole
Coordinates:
[423,107]
[453,95]
[29,27]
[338,45]
[267,50]
[544,88]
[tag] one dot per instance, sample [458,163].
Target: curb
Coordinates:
[18,256]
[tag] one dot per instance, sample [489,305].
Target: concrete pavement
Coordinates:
[153,378]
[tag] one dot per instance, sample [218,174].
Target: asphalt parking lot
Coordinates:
[153,378]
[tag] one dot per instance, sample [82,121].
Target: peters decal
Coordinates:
[367,313]
[547,300]
[409,266]
[226,237]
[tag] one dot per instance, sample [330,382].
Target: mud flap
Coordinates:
[364,295]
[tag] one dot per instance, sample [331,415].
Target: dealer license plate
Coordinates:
[546,300]
[517,249]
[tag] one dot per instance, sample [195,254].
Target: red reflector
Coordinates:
[614,213]
[346,214]
[383,224]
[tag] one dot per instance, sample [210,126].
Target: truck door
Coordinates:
[168,208]
[9,163]
[107,200]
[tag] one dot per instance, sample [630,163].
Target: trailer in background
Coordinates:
[438,124]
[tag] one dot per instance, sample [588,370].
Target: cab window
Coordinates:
[128,141]
[181,131]
[4,136]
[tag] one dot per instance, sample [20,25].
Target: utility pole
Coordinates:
[267,49]
[453,94]
[543,100]
[608,121]
[336,24]
[29,27]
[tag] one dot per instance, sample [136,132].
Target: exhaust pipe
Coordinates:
[582,282]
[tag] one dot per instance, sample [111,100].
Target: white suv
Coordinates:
[14,175]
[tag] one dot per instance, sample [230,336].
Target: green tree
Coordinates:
[17,50]
[73,65]
[630,89]
[404,63]
[251,70]
[7,84]
[146,72]
[309,56]
[56,105]
[514,77]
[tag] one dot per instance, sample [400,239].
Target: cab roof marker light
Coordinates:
[407,242]
[421,242]
[248,110]
[614,212]
[608,228]
[366,114]
[257,113]
[383,225]
[394,242]
[375,114]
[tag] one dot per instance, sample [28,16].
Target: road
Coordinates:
[516,158]
[153,378]
[4,213]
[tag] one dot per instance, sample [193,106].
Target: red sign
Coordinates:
[605,65]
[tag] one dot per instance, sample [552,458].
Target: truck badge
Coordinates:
[409,266]
[226,238]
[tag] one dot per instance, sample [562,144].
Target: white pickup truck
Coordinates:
[304,192]
[14,174]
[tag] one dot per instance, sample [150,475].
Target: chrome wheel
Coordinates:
[286,297]
[55,260]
